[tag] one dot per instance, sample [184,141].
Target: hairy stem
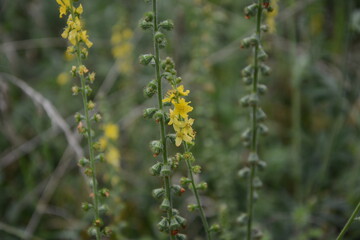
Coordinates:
[167,180]
[349,222]
[253,147]
[89,136]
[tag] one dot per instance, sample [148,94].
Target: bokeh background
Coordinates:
[311,184]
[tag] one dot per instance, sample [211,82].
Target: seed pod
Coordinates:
[247,80]
[263,129]
[246,135]
[145,59]
[262,89]
[182,221]
[192,207]
[253,158]
[215,228]
[184,181]
[171,137]
[257,234]
[262,54]
[202,186]
[257,183]
[253,99]
[177,189]
[167,25]
[180,237]
[260,115]
[250,10]
[158,193]
[244,172]
[174,225]
[146,25]
[149,16]
[163,225]
[247,71]
[156,147]
[86,206]
[242,219]
[158,115]
[155,169]
[264,28]
[104,192]
[92,231]
[149,112]
[261,165]
[150,89]
[245,101]
[165,170]
[83,162]
[265,69]
[165,205]
[175,212]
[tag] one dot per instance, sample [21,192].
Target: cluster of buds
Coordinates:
[251,76]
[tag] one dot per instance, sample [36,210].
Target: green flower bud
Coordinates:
[171,137]
[88,172]
[244,101]
[158,115]
[158,193]
[265,69]
[163,225]
[155,169]
[146,59]
[88,90]
[246,135]
[247,71]
[192,207]
[165,170]
[167,25]
[184,181]
[149,112]
[250,10]
[165,205]
[244,172]
[156,147]
[150,89]
[178,190]
[180,237]
[103,208]
[100,157]
[253,99]
[91,105]
[97,117]
[78,117]
[260,115]
[263,129]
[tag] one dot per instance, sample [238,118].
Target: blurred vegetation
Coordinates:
[311,184]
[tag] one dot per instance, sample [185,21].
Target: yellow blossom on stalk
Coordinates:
[111,131]
[185,126]
[169,96]
[270,18]
[181,91]
[82,70]
[182,136]
[64,4]
[182,108]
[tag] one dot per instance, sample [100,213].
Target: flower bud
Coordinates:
[146,59]
[265,69]
[171,137]
[250,10]
[155,169]
[247,71]
[184,181]
[165,170]
[215,228]
[165,205]
[75,90]
[253,99]
[149,16]
[150,89]
[156,147]
[246,135]
[244,101]
[84,162]
[264,28]
[107,231]
[192,207]
[158,193]
[196,169]
[91,105]
[149,112]
[163,225]
[263,129]
[98,222]
[167,25]
[262,54]
[88,90]
[261,165]
[88,172]
[244,172]
[260,115]
[158,115]
[104,192]
[178,190]
[78,117]
[92,231]
[257,234]
[100,157]
[97,117]
[257,183]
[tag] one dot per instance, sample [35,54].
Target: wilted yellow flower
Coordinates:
[111,131]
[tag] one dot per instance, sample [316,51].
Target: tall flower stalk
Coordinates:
[349,222]
[184,135]
[251,77]
[79,45]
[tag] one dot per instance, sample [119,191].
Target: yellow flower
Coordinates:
[82,70]
[181,92]
[182,108]
[64,4]
[80,9]
[111,131]
[186,127]
[174,118]
[169,96]
[182,136]
[112,156]
[84,37]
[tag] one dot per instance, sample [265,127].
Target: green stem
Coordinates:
[167,180]
[89,136]
[250,204]
[349,222]
[196,193]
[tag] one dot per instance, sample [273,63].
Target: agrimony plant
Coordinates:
[79,45]
[251,77]
[178,117]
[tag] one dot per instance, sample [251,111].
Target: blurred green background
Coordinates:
[311,184]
